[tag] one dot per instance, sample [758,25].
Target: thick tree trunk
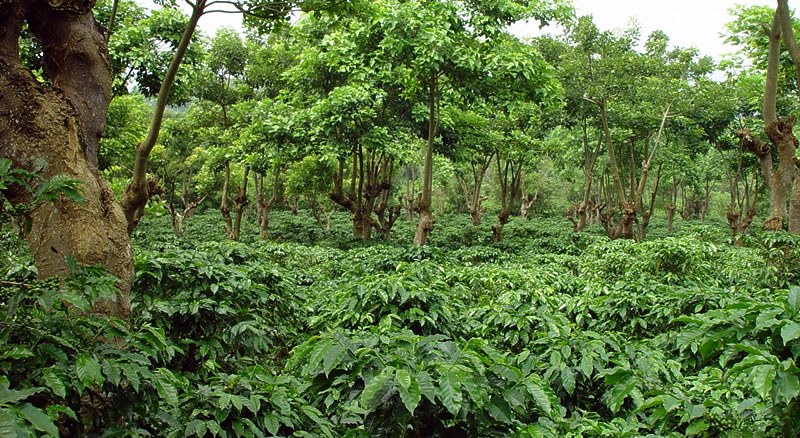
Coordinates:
[780,134]
[794,211]
[55,130]
[497,229]
[625,226]
[177,224]
[778,131]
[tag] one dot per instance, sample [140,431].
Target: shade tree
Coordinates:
[437,45]
[272,136]
[769,39]
[471,138]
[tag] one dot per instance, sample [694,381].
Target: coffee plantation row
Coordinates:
[548,333]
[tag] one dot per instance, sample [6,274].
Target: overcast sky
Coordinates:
[688,23]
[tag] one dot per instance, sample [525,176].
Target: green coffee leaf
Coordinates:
[450,392]
[88,370]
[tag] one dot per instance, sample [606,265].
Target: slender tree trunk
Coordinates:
[266,204]
[241,203]
[426,218]
[55,129]
[794,211]
[224,208]
[612,157]
[137,193]
[589,160]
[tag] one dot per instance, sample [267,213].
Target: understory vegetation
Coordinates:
[319,333]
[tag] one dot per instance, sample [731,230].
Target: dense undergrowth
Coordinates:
[547,333]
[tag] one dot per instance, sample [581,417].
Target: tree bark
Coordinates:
[589,160]
[224,208]
[136,194]
[54,130]
[778,131]
[266,204]
[426,219]
[241,202]
[794,211]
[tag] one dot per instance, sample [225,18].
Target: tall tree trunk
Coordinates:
[426,219]
[647,213]
[672,203]
[266,204]
[224,208]
[136,194]
[612,157]
[55,129]
[589,160]
[794,211]
[241,202]
[510,177]
[778,131]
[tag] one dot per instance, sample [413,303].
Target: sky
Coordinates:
[688,23]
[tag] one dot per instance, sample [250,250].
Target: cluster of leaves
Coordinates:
[679,336]
[36,189]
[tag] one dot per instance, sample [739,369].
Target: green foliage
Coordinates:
[33,190]
[548,334]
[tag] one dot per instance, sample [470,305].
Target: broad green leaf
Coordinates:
[8,423]
[376,388]
[272,424]
[10,396]
[540,397]
[426,386]
[697,428]
[193,427]
[695,411]
[586,366]
[499,410]
[112,371]
[333,357]
[450,392]
[411,396]
[790,332]
[165,390]
[54,382]
[763,377]
[213,427]
[568,380]
[403,378]
[88,370]
[132,374]
[16,352]
[788,385]
[223,401]
[671,403]
[316,357]
[794,299]
[515,397]
[620,392]
[38,419]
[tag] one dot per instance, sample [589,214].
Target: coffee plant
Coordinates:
[545,334]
